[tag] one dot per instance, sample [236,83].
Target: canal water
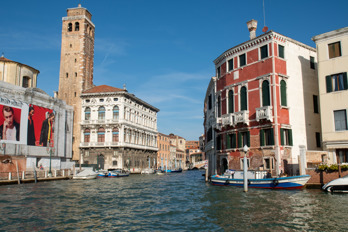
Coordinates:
[171,202]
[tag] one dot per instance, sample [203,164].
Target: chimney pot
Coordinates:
[252,25]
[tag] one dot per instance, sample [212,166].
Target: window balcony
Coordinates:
[264,113]
[227,120]
[242,117]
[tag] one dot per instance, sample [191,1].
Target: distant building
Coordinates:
[118,130]
[266,98]
[332,49]
[179,160]
[163,155]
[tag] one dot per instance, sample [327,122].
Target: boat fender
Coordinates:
[227,182]
[275,182]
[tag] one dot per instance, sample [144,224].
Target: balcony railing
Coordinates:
[227,120]
[242,117]
[264,113]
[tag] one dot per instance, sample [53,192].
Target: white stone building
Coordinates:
[118,130]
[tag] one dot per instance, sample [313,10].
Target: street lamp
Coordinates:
[245,168]
[49,150]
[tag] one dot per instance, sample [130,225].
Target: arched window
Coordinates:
[87,113]
[101,113]
[101,135]
[230,102]
[115,133]
[265,94]
[115,113]
[87,133]
[26,81]
[77,26]
[70,27]
[243,98]
[283,93]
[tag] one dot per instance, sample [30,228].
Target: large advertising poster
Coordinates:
[32,125]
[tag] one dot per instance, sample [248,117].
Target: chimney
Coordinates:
[252,25]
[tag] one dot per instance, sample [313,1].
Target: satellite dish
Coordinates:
[265,29]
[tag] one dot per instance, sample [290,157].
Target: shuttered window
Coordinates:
[265,94]
[286,137]
[266,137]
[334,50]
[283,93]
[242,60]
[264,52]
[336,82]
[243,98]
[230,102]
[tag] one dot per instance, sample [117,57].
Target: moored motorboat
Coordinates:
[102,173]
[177,170]
[160,172]
[148,171]
[259,179]
[85,175]
[118,173]
[339,185]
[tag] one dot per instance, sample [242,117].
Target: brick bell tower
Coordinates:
[76,64]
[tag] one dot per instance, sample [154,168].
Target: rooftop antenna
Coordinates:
[2,54]
[264,29]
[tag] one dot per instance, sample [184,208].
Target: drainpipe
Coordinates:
[275,107]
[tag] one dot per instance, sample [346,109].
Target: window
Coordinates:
[77,26]
[218,142]
[334,50]
[342,156]
[101,100]
[317,139]
[243,98]
[115,99]
[264,51]
[312,63]
[101,135]
[209,134]
[268,163]
[285,136]
[87,113]
[70,27]
[242,60]
[101,113]
[218,72]
[230,64]
[336,82]
[230,102]
[266,137]
[26,81]
[87,133]
[219,106]
[75,74]
[340,120]
[281,51]
[241,160]
[244,139]
[315,104]
[114,163]
[115,112]
[115,134]
[210,102]
[67,75]
[266,101]
[283,93]
[231,141]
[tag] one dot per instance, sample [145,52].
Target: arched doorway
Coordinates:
[100,161]
[224,165]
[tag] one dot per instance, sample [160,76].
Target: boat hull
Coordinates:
[90,177]
[293,182]
[339,185]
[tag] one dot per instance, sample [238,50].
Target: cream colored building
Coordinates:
[18,74]
[332,52]
[163,155]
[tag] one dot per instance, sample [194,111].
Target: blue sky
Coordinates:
[162,50]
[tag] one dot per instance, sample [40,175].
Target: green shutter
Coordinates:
[228,142]
[290,137]
[248,138]
[283,93]
[230,101]
[243,100]
[345,85]
[234,140]
[328,84]
[262,138]
[272,137]
[239,139]
[281,136]
[265,94]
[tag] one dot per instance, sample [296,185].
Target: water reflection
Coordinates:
[180,201]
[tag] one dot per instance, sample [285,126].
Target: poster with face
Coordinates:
[10,120]
[40,131]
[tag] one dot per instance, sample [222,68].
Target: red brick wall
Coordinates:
[323,177]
